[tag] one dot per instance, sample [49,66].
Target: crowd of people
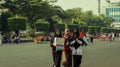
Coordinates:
[72,48]
[73,43]
[109,37]
[14,38]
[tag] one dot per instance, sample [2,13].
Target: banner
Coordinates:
[59,43]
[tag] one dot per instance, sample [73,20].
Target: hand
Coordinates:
[76,39]
[80,42]
[54,44]
[67,43]
[72,42]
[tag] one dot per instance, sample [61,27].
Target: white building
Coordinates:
[113,10]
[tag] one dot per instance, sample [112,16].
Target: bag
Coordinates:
[67,59]
[64,58]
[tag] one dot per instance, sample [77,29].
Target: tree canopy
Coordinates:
[35,10]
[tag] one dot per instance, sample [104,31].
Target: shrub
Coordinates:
[42,26]
[17,23]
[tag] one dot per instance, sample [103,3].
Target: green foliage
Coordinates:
[31,9]
[107,20]
[116,30]
[87,17]
[103,29]
[34,10]
[94,29]
[98,21]
[17,23]
[83,27]
[106,30]
[60,26]
[72,26]
[42,26]
[3,21]
[37,10]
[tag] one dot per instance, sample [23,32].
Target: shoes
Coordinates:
[53,66]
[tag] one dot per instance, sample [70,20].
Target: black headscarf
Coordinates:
[60,35]
[76,33]
[75,36]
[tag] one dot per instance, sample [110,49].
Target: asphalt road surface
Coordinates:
[99,54]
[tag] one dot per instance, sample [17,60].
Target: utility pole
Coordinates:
[99,5]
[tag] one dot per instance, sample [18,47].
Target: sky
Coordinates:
[84,4]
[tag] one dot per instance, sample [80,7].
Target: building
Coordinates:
[112,9]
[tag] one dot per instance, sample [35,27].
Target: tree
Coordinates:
[107,20]
[87,17]
[42,26]
[98,21]
[33,10]
[3,21]
[16,24]
[75,14]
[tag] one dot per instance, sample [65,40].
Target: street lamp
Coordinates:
[99,4]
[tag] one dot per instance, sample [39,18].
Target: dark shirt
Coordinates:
[76,44]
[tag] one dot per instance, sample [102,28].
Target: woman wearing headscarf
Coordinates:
[67,53]
[76,44]
[56,54]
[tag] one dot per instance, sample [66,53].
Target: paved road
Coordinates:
[102,54]
[99,54]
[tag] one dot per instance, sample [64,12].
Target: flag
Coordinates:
[83,38]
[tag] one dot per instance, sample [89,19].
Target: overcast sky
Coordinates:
[84,4]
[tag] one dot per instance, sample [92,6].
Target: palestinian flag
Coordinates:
[83,38]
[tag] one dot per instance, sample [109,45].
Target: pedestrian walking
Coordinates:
[17,39]
[91,38]
[119,36]
[67,52]
[55,53]
[113,36]
[76,44]
[0,39]
[110,37]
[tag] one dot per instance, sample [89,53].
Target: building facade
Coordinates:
[113,10]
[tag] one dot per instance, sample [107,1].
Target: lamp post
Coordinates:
[99,4]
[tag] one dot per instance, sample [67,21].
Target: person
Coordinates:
[56,54]
[83,37]
[82,34]
[12,38]
[67,52]
[53,49]
[17,39]
[110,37]
[91,38]
[119,36]
[0,39]
[113,36]
[76,44]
